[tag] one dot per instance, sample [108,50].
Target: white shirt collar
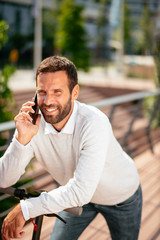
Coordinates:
[69,126]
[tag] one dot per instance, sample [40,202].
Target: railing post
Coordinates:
[112,112]
[139,105]
[153,114]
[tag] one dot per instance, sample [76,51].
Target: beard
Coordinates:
[63,111]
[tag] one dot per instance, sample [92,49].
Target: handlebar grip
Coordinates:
[12,192]
[8,190]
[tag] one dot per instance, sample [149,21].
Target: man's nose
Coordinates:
[49,99]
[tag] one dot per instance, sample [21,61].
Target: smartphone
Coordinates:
[35,108]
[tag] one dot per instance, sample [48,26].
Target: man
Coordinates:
[76,145]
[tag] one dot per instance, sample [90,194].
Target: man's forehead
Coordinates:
[52,80]
[59,76]
[56,73]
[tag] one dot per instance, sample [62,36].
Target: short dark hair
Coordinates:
[57,63]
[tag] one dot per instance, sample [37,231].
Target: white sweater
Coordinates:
[85,158]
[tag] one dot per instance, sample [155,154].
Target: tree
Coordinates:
[156,54]
[70,37]
[3,33]
[146,42]
[127,28]
[6,97]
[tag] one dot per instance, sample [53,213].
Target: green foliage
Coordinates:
[156,54]
[127,27]
[6,97]
[49,27]
[70,37]
[145,43]
[148,106]
[149,103]
[6,204]
[3,33]
[49,24]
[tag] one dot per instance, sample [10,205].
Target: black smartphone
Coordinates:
[35,108]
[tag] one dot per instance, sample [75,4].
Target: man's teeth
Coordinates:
[51,109]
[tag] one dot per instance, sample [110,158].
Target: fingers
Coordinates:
[22,234]
[26,128]
[24,113]
[13,224]
[7,233]
[4,233]
[24,117]
[27,107]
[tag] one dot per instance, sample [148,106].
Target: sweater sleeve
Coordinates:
[80,189]
[14,162]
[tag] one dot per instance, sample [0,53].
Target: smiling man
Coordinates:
[74,142]
[55,99]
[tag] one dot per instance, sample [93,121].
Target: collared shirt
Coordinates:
[69,126]
[49,129]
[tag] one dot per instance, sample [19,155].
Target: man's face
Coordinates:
[54,98]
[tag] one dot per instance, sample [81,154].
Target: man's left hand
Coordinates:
[13,224]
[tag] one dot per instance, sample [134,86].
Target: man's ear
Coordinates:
[75,92]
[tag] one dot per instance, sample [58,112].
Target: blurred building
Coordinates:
[19,14]
[137,7]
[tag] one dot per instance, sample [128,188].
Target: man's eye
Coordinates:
[58,92]
[41,93]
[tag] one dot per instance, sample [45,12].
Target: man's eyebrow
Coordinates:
[53,90]
[40,90]
[57,90]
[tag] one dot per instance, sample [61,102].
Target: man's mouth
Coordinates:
[50,110]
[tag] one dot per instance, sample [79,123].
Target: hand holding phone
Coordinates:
[27,129]
[35,108]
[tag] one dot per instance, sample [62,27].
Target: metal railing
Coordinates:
[113,103]
[138,98]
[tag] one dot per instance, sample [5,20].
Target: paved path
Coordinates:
[25,79]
